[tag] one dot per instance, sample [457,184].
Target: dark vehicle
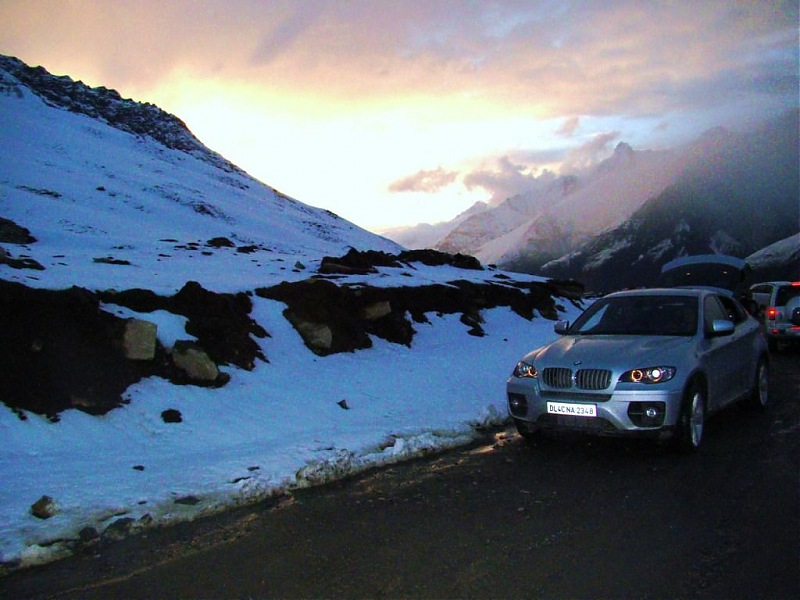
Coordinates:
[719,272]
[779,309]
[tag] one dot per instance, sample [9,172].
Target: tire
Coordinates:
[692,420]
[759,397]
[526,432]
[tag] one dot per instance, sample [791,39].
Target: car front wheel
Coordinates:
[759,398]
[692,420]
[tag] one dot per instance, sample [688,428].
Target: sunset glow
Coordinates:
[380,110]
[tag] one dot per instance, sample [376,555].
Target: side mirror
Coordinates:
[561,327]
[721,327]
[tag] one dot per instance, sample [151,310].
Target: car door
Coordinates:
[720,356]
[743,342]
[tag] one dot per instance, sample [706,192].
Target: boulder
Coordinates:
[317,336]
[139,339]
[45,507]
[194,362]
[376,311]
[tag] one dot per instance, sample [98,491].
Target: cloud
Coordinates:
[507,179]
[589,153]
[569,127]
[424,181]
[540,58]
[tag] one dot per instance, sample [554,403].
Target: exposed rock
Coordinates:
[45,507]
[11,233]
[316,336]
[376,311]
[88,535]
[332,318]
[60,350]
[139,339]
[119,529]
[434,258]
[357,263]
[193,360]
[221,323]
[171,416]
[24,262]
[188,500]
[220,242]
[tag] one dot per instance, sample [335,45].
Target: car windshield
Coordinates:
[639,315]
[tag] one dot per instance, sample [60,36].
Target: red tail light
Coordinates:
[772,313]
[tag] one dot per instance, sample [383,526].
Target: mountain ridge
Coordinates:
[721,184]
[114,189]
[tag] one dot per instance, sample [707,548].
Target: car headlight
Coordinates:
[524,369]
[648,375]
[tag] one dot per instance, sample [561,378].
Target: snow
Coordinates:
[780,252]
[268,431]
[88,191]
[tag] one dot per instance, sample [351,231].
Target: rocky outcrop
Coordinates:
[61,350]
[335,318]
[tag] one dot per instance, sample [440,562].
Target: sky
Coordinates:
[391,112]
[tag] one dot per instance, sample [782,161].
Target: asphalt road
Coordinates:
[574,518]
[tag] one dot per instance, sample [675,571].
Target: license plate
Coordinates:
[572,410]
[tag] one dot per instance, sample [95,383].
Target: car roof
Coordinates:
[687,291]
[698,259]
[775,283]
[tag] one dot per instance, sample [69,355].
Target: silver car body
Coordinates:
[595,379]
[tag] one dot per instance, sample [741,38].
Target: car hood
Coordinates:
[611,351]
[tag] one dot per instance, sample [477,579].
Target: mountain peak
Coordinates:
[623,149]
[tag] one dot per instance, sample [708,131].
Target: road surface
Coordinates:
[576,518]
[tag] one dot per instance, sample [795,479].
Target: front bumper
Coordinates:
[646,412]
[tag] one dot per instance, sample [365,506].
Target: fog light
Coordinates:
[647,414]
[517,405]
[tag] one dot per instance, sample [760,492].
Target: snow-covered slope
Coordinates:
[780,260]
[93,192]
[89,200]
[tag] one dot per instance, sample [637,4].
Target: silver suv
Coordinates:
[779,309]
[651,363]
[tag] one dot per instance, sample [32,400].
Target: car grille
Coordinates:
[583,379]
[557,378]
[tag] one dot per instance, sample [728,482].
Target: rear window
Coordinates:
[703,275]
[786,293]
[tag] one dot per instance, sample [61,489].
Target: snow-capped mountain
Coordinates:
[740,195]
[559,215]
[558,212]
[99,181]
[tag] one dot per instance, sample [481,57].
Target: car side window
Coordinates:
[733,310]
[712,311]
